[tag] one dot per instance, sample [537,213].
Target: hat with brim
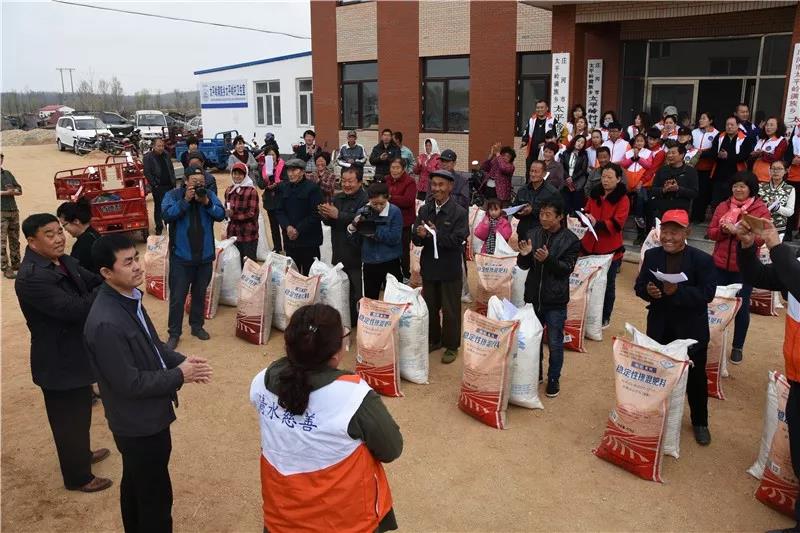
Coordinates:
[295,163]
[676,216]
[447,155]
[443,174]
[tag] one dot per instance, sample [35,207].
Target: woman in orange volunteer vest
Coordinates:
[324,435]
[792,158]
[771,145]
[782,275]
[703,139]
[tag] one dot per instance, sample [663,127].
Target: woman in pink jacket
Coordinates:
[493,223]
[499,168]
[427,162]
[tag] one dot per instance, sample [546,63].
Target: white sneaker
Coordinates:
[466,298]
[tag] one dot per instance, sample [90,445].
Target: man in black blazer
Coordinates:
[680,310]
[55,294]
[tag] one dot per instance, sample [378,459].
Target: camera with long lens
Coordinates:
[369,220]
[200,192]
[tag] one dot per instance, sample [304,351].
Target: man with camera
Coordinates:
[441,228]
[190,211]
[378,226]
[197,160]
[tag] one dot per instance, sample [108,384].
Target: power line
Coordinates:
[179,19]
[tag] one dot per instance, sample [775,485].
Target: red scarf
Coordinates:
[736,210]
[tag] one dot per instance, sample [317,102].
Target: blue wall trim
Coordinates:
[252,63]
[222,106]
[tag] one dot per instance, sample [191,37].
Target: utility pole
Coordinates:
[61,71]
[71,86]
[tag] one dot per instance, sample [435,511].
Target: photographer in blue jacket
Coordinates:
[190,210]
[378,226]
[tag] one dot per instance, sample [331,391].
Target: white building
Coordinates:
[267,95]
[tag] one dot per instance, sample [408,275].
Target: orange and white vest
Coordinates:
[633,131]
[635,172]
[690,153]
[617,149]
[549,122]
[591,156]
[794,170]
[761,167]
[704,140]
[314,476]
[791,339]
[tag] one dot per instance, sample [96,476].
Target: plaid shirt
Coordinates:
[326,181]
[243,221]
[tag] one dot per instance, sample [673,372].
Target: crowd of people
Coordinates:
[88,323]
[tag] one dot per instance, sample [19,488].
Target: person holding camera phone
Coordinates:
[378,226]
[190,210]
[297,212]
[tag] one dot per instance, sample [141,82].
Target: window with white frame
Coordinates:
[268,103]
[305,101]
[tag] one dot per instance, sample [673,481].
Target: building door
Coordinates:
[679,93]
[720,98]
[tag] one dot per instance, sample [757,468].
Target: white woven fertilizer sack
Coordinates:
[597,292]
[279,265]
[524,389]
[771,414]
[414,361]
[334,288]
[575,226]
[326,250]
[156,266]
[518,275]
[230,270]
[727,291]
[678,350]
[263,247]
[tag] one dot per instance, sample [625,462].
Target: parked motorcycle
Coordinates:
[131,142]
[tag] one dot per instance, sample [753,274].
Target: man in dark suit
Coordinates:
[55,294]
[680,310]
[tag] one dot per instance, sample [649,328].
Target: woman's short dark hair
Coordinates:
[104,249]
[238,139]
[72,211]
[191,139]
[553,147]
[574,141]
[509,150]
[399,160]
[326,156]
[780,132]
[749,179]
[612,113]
[616,168]
[313,336]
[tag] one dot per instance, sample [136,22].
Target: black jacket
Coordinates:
[300,152]
[269,198]
[154,171]
[137,390]
[82,249]
[297,207]
[382,165]
[686,311]
[581,173]
[55,307]
[688,187]
[534,197]
[547,284]
[782,275]
[346,250]
[725,168]
[452,229]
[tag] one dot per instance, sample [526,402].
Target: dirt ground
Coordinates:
[455,474]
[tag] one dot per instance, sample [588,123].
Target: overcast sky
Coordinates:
[142,52]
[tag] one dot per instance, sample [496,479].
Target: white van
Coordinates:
[77,132]
[151,124]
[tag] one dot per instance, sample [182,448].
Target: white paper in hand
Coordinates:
[513,210]
[669,278]
[587,223]
[435,246]
[774,206]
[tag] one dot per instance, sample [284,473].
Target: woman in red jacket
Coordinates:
[607,209]
[427,162]
[771,145]
[499,169]
[403,194]
[744,199]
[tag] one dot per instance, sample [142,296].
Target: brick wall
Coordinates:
[617,11]
[444,28]
[458,142]
[325,71]
[759,21]
[399,68]
[356,38]
[534,27]
[493,75]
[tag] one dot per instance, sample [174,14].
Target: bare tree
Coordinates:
[85,95]
[102,93]
[158,99]
[116,94]
[179,105]
[142,99]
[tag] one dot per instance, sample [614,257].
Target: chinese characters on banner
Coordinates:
[559,89]
[792,114]
[216,94]
[594,92]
